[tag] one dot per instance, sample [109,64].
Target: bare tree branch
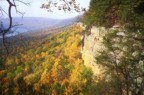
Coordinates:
[1,10]
[65,5]
[12,3]
[22,2]
[17,11]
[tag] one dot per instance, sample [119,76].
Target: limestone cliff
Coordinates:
[92,44]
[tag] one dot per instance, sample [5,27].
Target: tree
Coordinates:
[123,59]
[65,5]
[12,3]
[123,54]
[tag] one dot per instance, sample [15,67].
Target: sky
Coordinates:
[34,10]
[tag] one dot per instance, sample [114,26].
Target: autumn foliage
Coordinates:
[54,67]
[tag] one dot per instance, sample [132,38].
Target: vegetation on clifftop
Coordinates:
[123,56]
[111,12]
[53,66]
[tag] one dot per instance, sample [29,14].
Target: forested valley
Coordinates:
[110,34]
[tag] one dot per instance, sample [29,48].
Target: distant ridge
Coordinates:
[34,24]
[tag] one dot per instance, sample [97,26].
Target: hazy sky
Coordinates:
[34,9]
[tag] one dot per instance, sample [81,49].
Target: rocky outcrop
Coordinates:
[92,44]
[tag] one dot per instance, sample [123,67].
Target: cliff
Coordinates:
[91,47]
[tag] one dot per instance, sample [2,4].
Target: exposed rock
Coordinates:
[92,44]
[81,25]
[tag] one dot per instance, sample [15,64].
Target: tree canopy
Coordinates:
[65,5]
[111,12]
[122,57]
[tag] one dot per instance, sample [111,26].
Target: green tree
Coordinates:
[123,53]
[123,58]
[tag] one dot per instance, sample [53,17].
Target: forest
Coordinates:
[53,64]
[53,67]
[123,56]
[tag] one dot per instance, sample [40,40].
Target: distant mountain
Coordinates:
[33,24]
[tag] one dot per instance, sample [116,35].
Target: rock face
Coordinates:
[92,44]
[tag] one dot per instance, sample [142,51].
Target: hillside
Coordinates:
[102,55]
[53,67]
[35,24]
[113,45]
